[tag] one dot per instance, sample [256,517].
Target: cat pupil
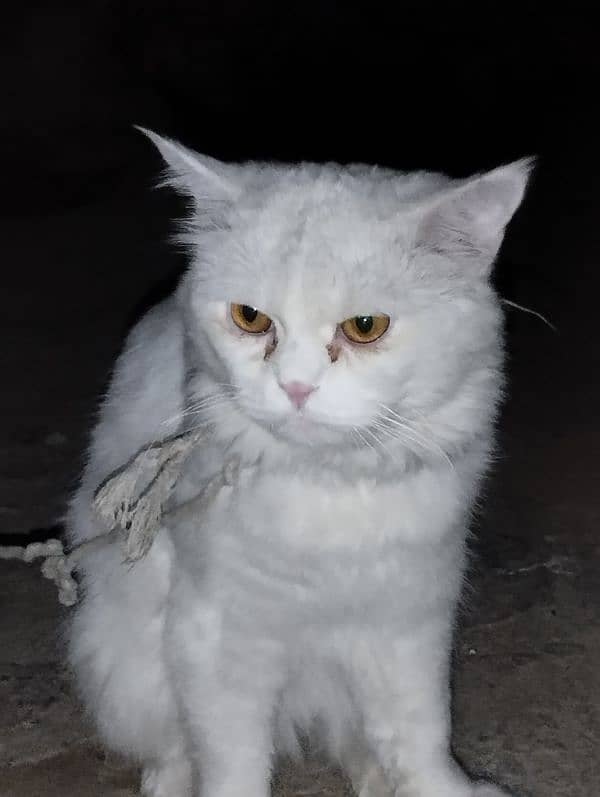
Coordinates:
[364,323]
[249,313]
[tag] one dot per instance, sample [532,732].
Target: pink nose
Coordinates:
[297,392]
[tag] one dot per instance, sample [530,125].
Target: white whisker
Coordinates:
[362,438]
[380,443]
[403,437]
[394,419]
[195,410]
[204,404]
[354,438]
[531,312]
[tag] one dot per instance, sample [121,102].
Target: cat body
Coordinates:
[318,591]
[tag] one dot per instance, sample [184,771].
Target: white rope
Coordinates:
[133,497]
[130,502]
[58,566]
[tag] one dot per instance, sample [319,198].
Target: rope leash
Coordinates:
[130,503]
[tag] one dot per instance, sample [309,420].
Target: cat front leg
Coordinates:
[227,682]
[232,745]
[401,684]
[170,776]
[364,769]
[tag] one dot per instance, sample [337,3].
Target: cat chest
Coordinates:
[307,516]
[277,547]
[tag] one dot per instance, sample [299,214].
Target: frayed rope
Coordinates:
[130,503]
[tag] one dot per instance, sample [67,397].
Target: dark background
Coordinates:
[451,87]
[442,86]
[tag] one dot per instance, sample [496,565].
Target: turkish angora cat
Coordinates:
[337,333]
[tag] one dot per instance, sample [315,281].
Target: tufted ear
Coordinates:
[467,223]
[204,179]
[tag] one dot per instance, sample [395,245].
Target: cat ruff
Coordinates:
[131,504]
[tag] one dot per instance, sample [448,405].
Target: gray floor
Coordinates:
[527,687]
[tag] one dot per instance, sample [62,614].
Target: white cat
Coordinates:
[337,332]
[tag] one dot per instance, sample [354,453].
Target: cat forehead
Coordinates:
[322,261]
[337,238]
[330,198]
[333,222]
[314,233]
[316,271]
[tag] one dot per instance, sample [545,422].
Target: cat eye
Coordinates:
[249,319]
[365,328]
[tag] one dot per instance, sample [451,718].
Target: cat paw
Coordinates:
[375,786]
[172,779]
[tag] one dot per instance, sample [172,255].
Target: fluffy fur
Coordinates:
[320,592]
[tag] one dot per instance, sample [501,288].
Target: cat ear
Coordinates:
[467,223]
[204,179]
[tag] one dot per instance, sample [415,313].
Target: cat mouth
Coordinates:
[295,424]
[301,421]
[303,428]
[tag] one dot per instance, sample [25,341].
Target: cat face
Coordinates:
[346,307]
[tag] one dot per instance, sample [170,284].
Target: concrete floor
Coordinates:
[527,685]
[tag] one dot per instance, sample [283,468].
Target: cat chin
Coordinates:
[301,430]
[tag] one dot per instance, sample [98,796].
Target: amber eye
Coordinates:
[250,319]
[365,328]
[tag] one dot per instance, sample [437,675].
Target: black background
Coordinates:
[456,87]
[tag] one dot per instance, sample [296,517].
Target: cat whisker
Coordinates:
[419,445]
[403,437]
[378,424]
[199,409]
[401,430]
[380,443]
[209,410]
[393,413]
[188,413]
[205,405]
[229,387]
[219,394]
[409,430]
[362,438]
[198,405]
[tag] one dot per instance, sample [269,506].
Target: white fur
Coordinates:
[320,592]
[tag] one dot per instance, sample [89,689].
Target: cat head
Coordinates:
[345,306]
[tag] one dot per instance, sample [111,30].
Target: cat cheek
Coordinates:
[216,313]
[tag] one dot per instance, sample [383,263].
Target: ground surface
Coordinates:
[527,687]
